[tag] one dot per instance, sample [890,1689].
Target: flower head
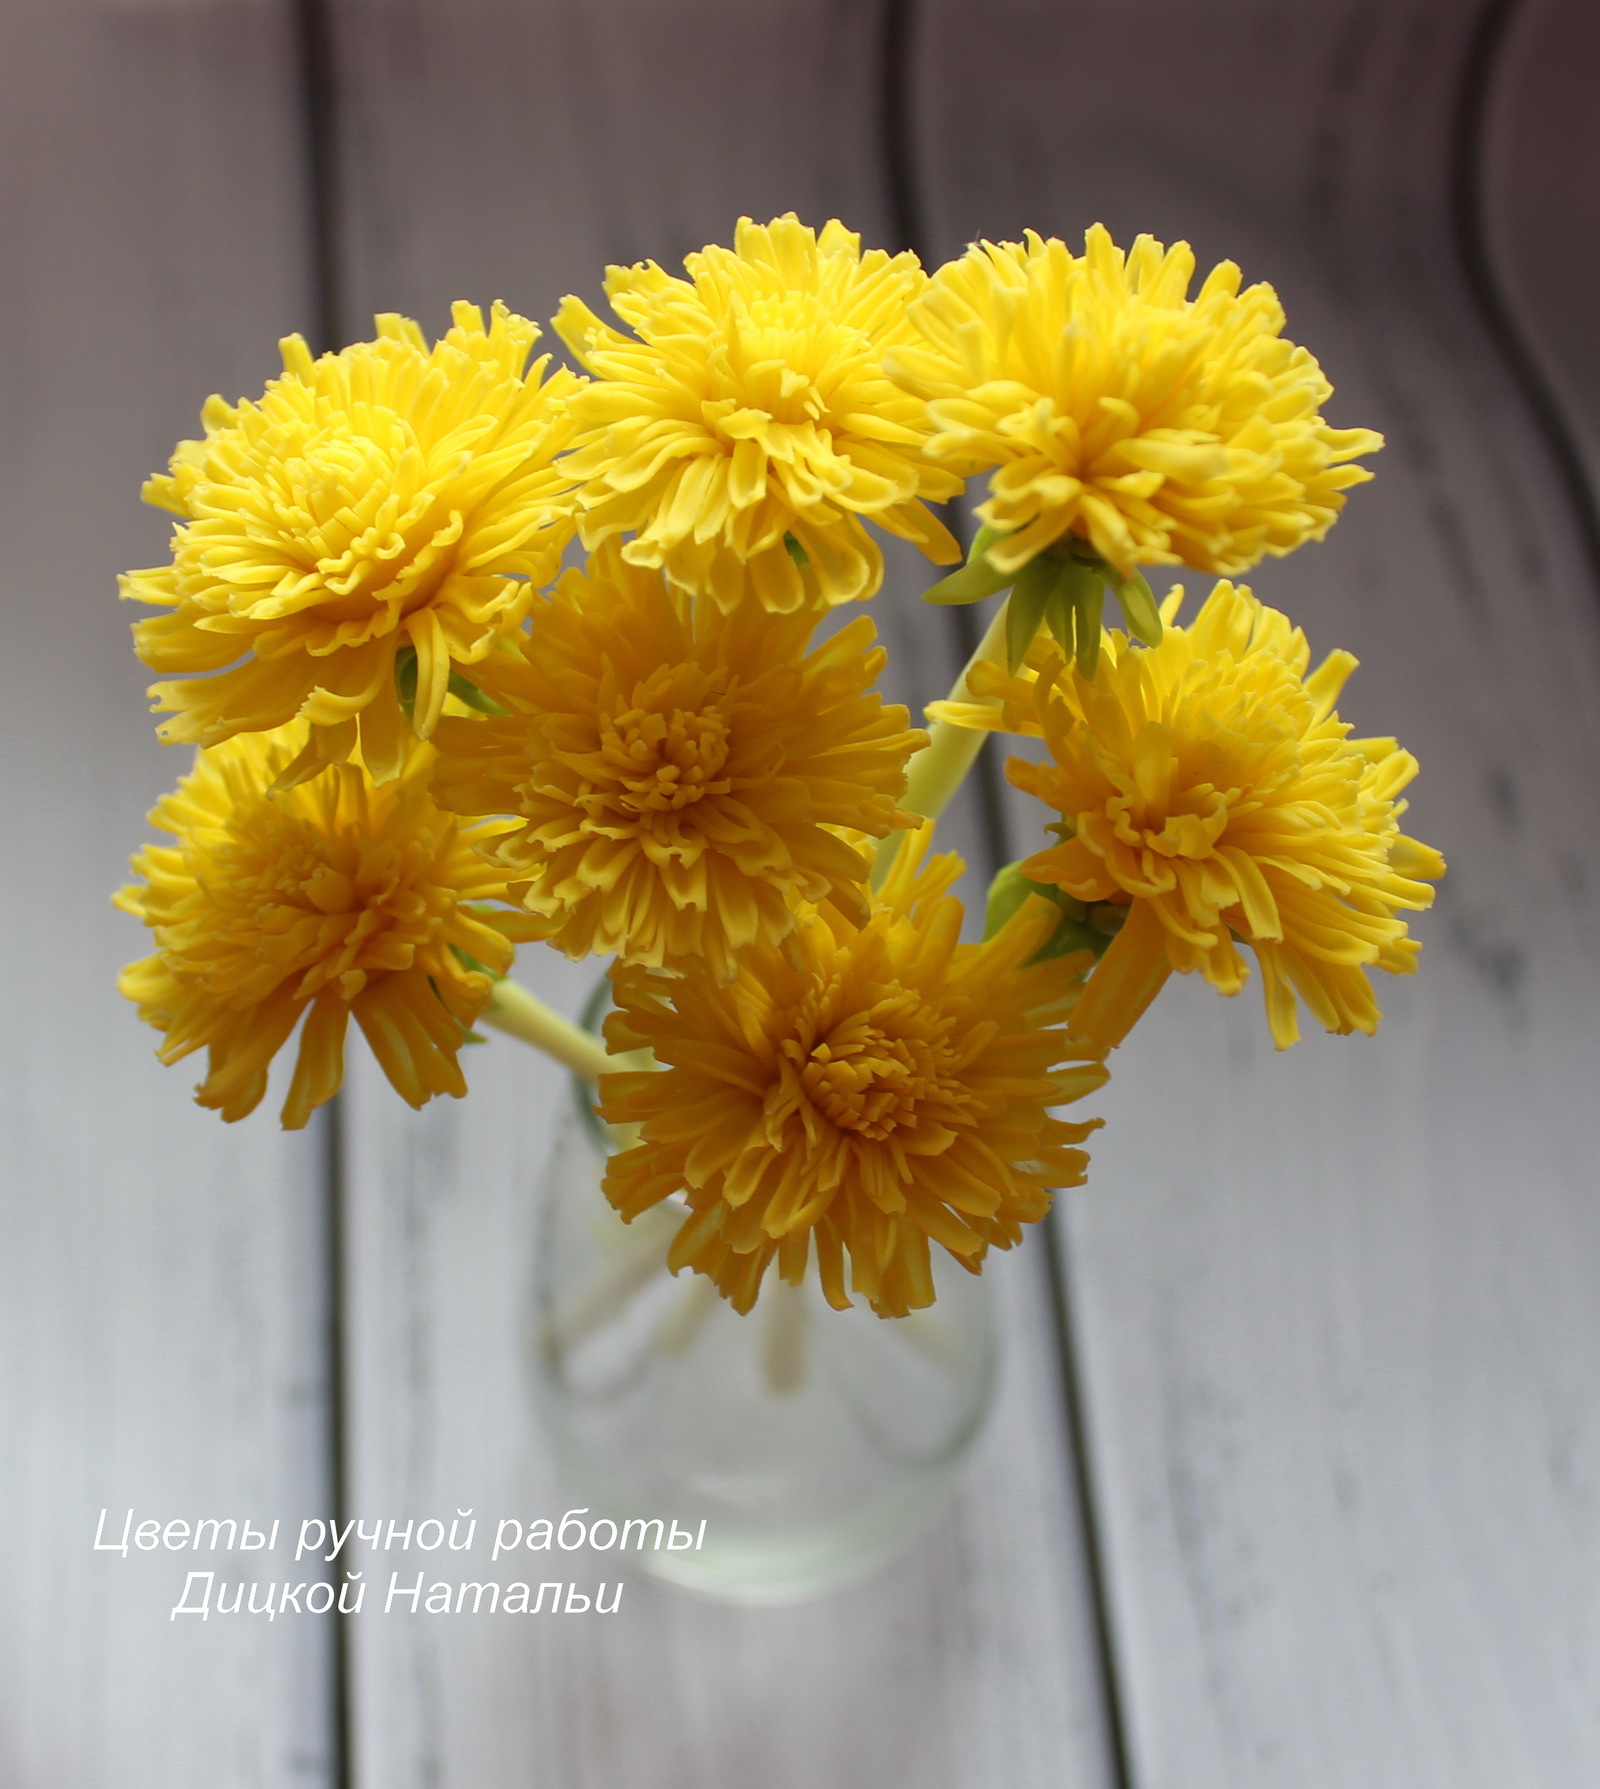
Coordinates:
[745,427]
[390,499]
[335,898]
[1209,790]
[680,775]
[876,1087]
[1152,428]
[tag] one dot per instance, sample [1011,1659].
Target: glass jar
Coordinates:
[798,1447]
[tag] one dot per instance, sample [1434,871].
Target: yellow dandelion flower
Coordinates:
[334,898]
[745,427]
[874,1087]
[380,517]
[1210,795]
[680,774]
[1120,415]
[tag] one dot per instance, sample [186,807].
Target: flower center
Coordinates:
[666,761]
[1177,790]
[665,751]
[358,509]
[877,1071]
[780,355]
[298,899]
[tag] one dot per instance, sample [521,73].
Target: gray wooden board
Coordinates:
[511,152]
[1541,199]
[1338,1309]
[1335,1308]
[159,1274]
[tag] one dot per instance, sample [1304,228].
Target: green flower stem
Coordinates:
[514,1010]
[936,772]
[783,1346]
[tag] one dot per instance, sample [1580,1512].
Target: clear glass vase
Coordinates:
[811,1444]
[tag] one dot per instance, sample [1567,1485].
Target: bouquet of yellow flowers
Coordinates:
[421,741]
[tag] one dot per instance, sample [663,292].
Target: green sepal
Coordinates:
[1011,888]
[1139,608]
[1060,615]
[797,552]
[405,683]
[1036,584]
[1109,917]
[405,679]
[468,961]
[1088,625]
[468,693]
[1077,583]
[976,579]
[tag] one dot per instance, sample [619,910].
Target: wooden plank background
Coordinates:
[1333,1312]
[160,1276]
[1336,1309]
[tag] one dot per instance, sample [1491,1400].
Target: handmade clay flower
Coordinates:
[363,534]
[1120,416]
[744,429]
[680,777]
[868,1087]
[337,899]
[1210,796]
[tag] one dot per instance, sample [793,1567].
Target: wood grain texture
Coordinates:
[158,1273]
[513,151]
[1337,1309]
[1541,199]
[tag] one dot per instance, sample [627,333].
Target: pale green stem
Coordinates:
[514,1010]
[937,771]
[783,1346]
[641,1257]
[687,1317]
